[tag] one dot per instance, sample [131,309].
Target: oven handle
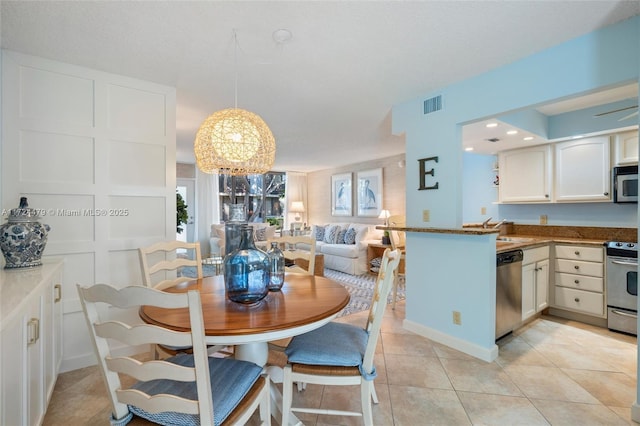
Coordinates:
[618,262]
[624,314]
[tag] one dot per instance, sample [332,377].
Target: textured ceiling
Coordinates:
[326,94]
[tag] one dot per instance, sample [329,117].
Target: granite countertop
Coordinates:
[531,236]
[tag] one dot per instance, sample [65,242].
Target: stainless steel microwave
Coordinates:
[625,184]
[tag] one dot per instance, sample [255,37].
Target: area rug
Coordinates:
[360,287]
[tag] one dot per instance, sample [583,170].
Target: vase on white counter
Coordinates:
[23,238]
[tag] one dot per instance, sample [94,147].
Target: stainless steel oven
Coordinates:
[622,286]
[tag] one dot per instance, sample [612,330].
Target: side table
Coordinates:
[376,250]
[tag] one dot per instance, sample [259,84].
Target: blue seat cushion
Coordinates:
[230,381]
[333,344]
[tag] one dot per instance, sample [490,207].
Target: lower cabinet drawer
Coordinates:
[578,300]
[580,282]
[595,269]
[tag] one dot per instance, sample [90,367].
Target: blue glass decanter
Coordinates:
[246,271]
[276,267]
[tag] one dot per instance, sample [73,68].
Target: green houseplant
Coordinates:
[181,213]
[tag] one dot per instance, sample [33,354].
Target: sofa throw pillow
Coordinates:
[319,232]
[331,234]
[341,235]
[350,236]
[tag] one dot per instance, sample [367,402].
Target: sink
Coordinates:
[514,239]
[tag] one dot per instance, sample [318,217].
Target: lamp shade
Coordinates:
[297,207]
[234,142]
[384,214]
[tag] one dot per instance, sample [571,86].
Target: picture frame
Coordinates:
[369,193]
[341,195]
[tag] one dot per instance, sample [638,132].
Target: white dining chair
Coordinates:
[340,354]
[187,389]
[167,256]
[398,242]
[294,248]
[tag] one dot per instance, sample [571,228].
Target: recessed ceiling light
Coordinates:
[282,35]
[528,138]
[577,137]
[490,125]
[512,132]
[469,148]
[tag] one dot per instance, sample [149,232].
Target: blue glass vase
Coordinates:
[246,271]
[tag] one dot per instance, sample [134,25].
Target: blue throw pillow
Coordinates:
[350,236]
[331,234]
[230,381]
[341,235]
[334,343]
[319,233]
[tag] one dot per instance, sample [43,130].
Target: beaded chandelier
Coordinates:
[234,141]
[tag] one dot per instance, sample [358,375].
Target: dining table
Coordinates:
[304,303]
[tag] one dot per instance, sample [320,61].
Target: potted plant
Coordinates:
[181,213]
[386,239]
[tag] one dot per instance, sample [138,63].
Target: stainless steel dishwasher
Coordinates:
[508,291]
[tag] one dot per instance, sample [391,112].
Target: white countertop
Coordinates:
[17,284]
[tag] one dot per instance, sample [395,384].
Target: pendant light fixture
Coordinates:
[234,141]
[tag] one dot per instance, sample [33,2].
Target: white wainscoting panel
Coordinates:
[135,111]
[137,164]
[69,216]
[55,96]
[141,217]
[125,268]
[40,159]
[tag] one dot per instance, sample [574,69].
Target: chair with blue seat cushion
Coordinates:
[340,354]
[187,389]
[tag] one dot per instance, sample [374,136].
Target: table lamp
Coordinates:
[297,207]
[384,214]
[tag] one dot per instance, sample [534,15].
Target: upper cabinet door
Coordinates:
[582,170]
[626,148]
[525,175]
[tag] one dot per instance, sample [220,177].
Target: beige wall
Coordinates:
[394,188]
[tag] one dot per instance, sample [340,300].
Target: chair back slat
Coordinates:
[169,261]
[150,370]
[158,403]
[135,334]
[292,251]
[384,282]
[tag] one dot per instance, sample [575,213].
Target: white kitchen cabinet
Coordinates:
[579,279]
[626,148]
[535,281]
[31,341]
[582,170]
[525,175]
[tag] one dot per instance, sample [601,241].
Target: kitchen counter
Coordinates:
[532,236]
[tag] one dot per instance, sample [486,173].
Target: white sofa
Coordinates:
[351,257]
[262,232]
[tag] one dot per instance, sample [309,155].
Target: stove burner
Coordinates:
[622,249]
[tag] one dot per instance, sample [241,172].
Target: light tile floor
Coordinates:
[551,371]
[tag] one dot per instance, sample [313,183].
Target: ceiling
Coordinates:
[326,93]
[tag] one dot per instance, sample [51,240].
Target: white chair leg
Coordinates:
[365,400]
[395,290]
[287,394]
[374,395]
[265,405]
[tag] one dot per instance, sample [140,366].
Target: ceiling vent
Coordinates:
[493,139]
[433,104]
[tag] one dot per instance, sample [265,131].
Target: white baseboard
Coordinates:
[480,352]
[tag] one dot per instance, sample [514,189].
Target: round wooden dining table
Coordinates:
[305,302]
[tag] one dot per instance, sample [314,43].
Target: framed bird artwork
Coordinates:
[341,204]
[369,193]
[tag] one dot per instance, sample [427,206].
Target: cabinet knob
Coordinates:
[577,253]
[576,267]
[546,195]
[577,281]
[577,300]
[606,194]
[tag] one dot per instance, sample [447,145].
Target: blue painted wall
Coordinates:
[605,58]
